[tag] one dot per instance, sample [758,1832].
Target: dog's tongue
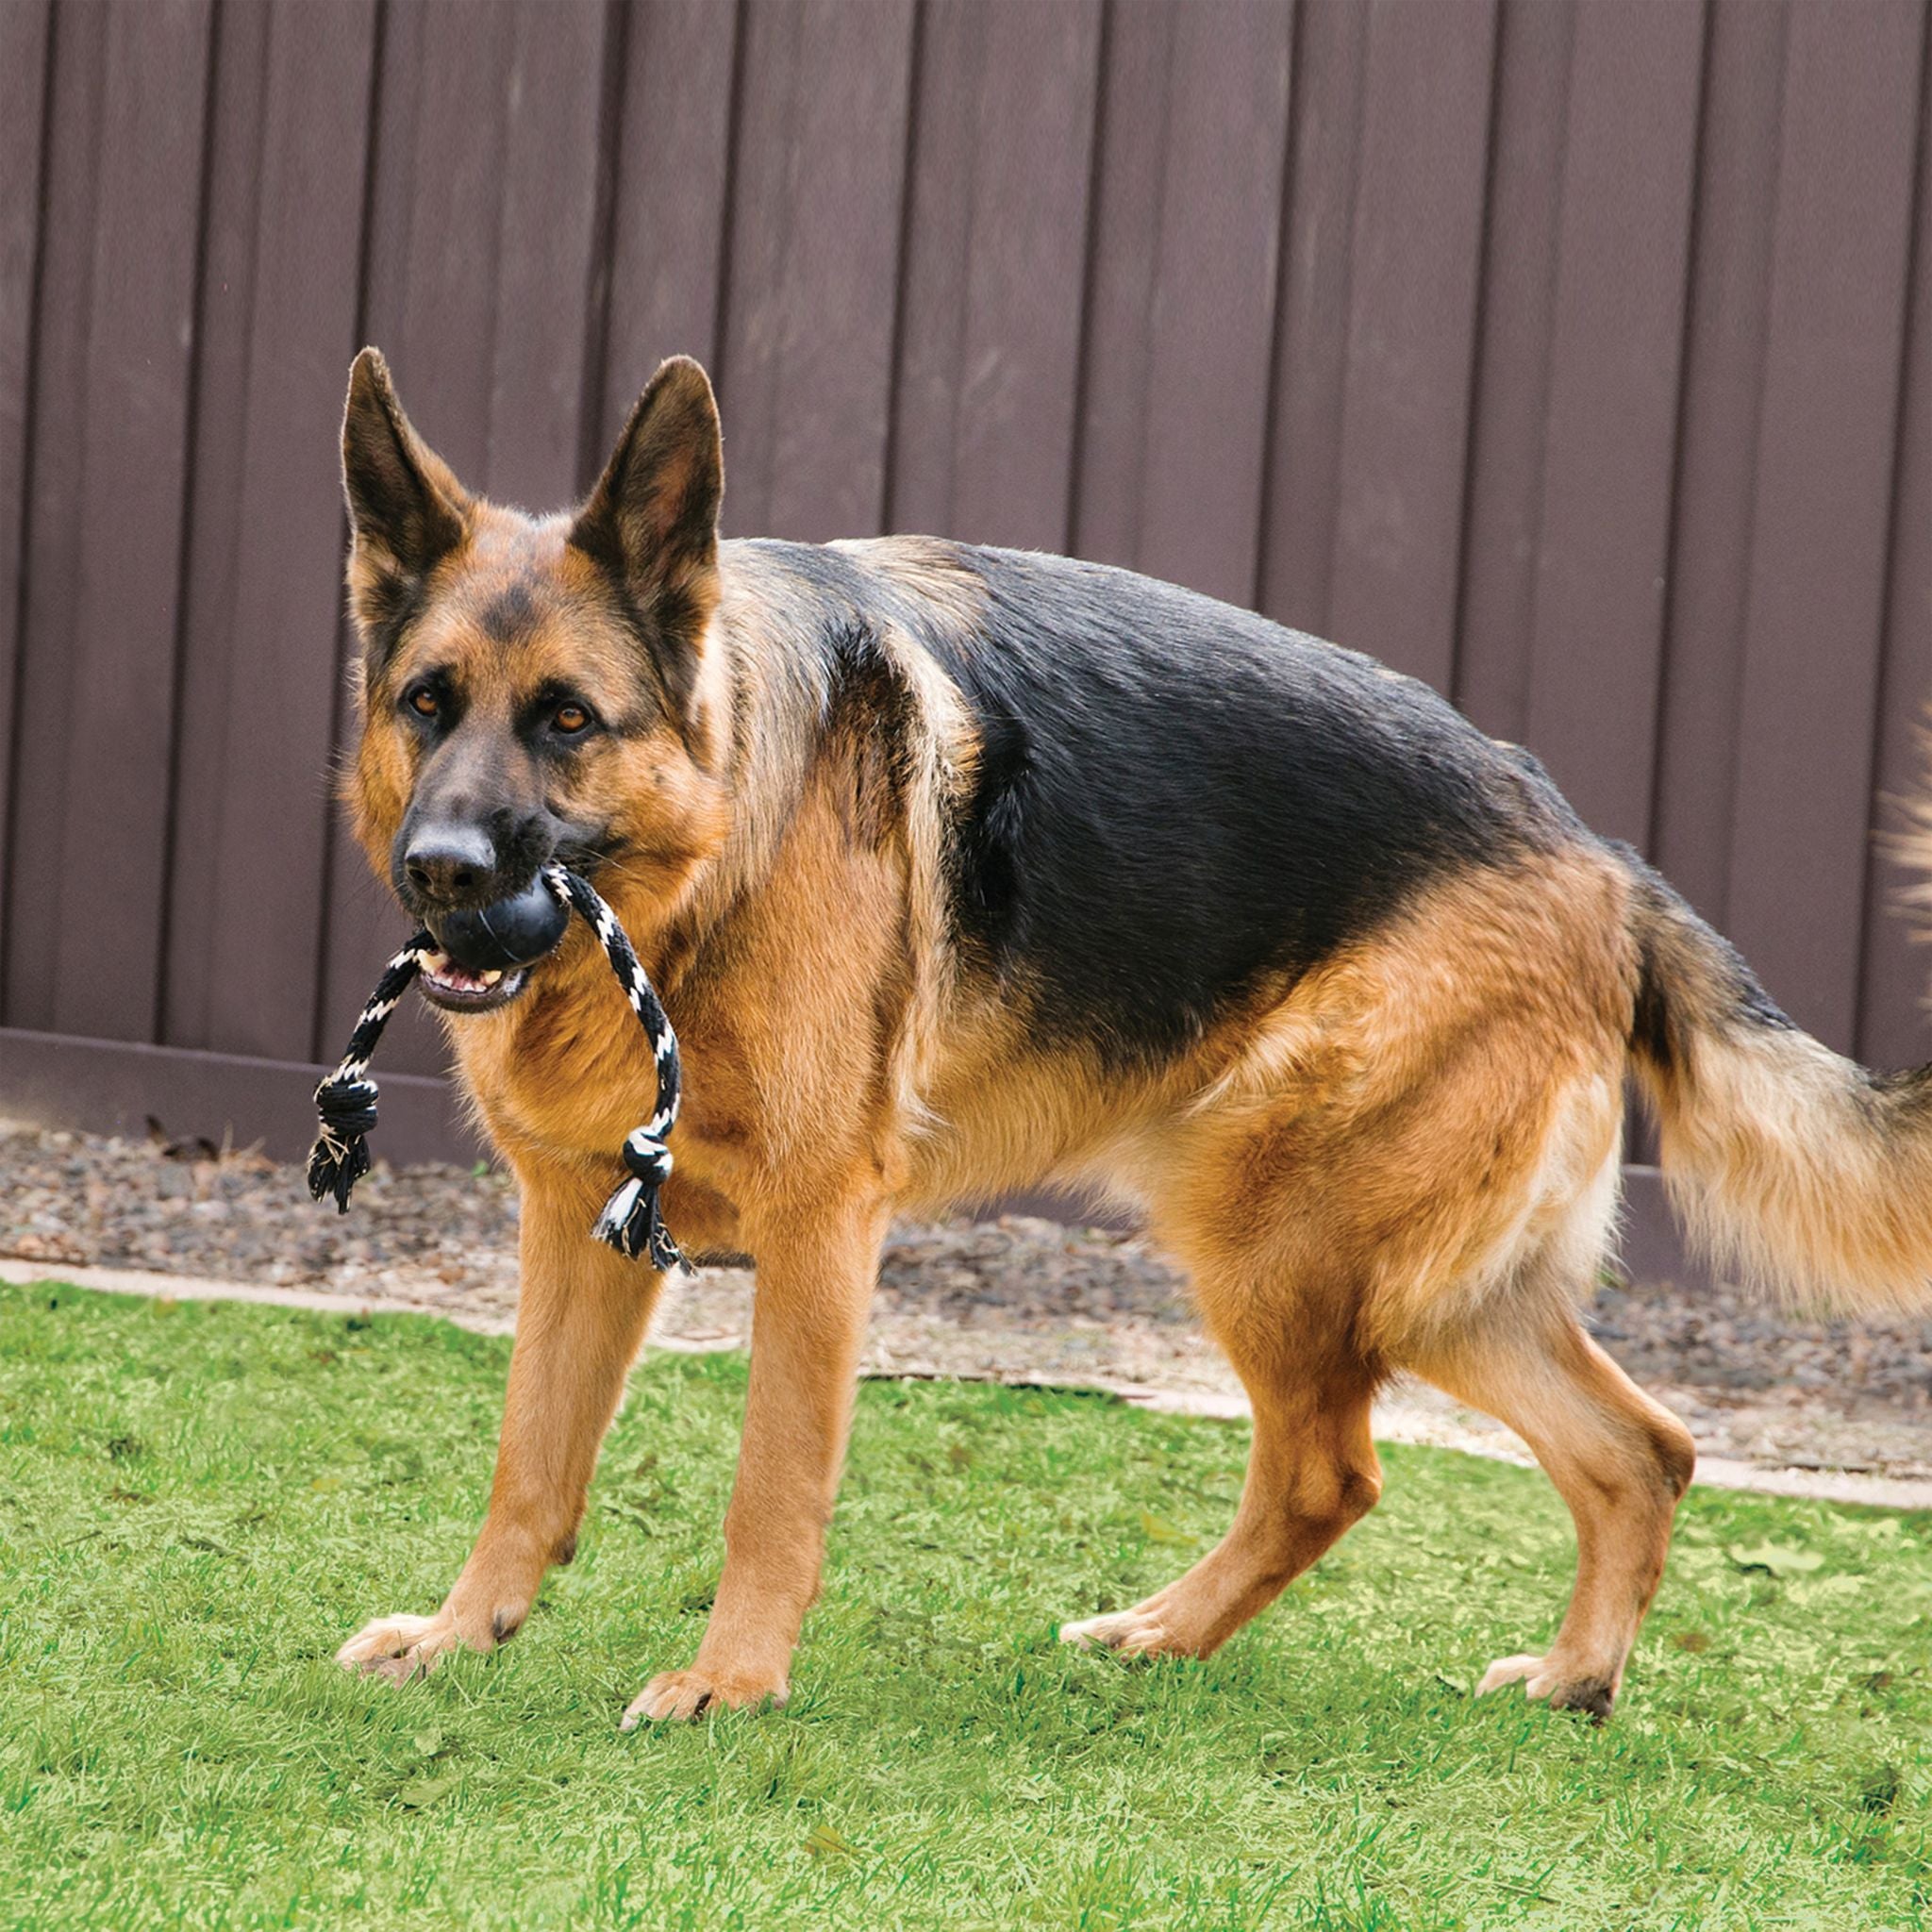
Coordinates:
[513,932]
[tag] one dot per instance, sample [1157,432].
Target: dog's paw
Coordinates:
[675,1697]
[1140,1632]
[398,1648]
[1566,1688]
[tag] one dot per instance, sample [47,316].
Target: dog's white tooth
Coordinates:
[491,977]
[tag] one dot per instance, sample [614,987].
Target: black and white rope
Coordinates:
[631,1221]
[346,1101]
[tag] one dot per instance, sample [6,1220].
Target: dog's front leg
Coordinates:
[580,1317]
[815,1282]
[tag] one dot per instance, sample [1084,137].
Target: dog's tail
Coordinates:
[1793,1164]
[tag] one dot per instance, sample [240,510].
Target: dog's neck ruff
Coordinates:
[346,1101]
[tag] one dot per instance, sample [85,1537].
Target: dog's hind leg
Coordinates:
[1313,1472]
[1619,1460]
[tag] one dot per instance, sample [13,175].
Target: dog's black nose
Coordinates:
[451,862]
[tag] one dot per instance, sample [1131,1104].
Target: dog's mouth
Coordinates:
[485,953]
[458,989]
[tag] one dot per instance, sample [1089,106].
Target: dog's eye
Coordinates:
[421,700]
[571,719]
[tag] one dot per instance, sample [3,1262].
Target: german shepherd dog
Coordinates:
[961,870]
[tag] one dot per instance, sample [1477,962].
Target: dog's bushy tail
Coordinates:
[1784,1160]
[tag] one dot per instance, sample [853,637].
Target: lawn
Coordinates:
[197,1501]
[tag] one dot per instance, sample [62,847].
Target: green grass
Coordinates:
[198,1502]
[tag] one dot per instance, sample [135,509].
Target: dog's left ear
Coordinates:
[652,520]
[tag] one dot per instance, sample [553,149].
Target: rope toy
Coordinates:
[346,1101]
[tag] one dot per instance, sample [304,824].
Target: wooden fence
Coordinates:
[1576,355]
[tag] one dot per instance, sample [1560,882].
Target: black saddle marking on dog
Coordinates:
[1176,796]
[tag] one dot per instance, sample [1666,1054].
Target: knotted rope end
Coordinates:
[631,1221]
[340,1158]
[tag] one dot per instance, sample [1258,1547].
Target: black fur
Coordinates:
[1180,796]
[871,716]
[1175,797]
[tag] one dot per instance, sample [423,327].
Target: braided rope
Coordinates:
[631,1221]
[346,1101]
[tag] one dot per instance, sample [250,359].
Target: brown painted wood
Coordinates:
[1892,1015]
[995,271]
[1412,304]
[114,1087]
[815,264]
[26,51]
[1725,332]
[1211,350]
[1611,408]
[1447,326]
[1181,351]
[479,269]
[546,257]
[1496,621]
[261,681]
[1826,442]
[1297,541]
[1131,144]
[203,777]
[671,187]
[95,779]
[50,532]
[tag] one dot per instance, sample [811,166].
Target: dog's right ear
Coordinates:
[406,511]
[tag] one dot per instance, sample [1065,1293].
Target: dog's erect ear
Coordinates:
[652,520]
[406,511]
[653,517]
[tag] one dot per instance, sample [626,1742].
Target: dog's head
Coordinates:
[533,687]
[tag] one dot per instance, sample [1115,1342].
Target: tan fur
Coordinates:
[1405,1159]
[1784,1158]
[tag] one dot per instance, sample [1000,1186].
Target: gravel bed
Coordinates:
[1016,1296]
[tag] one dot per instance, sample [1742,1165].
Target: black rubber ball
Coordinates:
[511,933]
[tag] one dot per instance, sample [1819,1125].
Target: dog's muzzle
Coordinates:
[487,950]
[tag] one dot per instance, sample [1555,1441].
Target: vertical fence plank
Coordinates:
[815,222]
[247,943]
[1612,413]
[674,161]
[216,530]
[1825,454]
[484,206]
[91,789]
[1196,423]
[1118,329]
[1417,245]
[1892,1005]
[1210,360]
[51,548]
[544,258]
[1311,327]
[25,47]
[1724,384]
[994,274]
[1508,433]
